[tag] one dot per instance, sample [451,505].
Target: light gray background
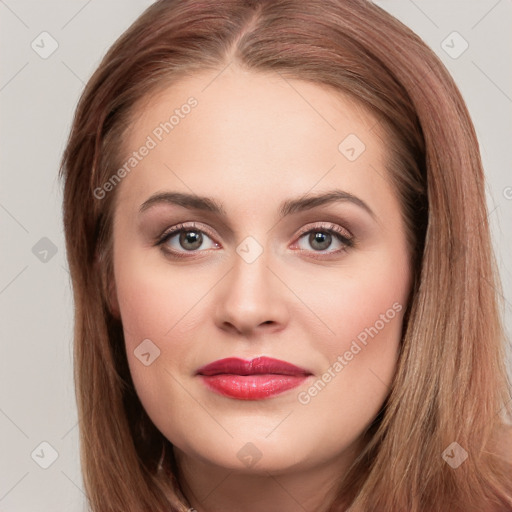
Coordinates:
[37,99]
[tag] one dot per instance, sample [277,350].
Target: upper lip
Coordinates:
[256,366]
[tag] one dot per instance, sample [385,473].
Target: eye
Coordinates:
[182,238]
[189,238]
[320,238]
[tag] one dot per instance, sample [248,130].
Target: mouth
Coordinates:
[257,379]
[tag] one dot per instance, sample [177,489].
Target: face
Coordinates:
[258,231]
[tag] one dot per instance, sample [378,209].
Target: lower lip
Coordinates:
[252,387]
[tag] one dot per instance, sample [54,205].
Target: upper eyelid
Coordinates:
[184,226]
[310,226]
[326,226]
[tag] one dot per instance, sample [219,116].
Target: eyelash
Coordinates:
[342,235]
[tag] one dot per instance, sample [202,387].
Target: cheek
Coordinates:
[365,302]
[364,311]
[159,309]
[347,393]
[363,317]
[154,298]
[156,304]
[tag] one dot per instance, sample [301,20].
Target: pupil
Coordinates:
[320,240]
[194,238]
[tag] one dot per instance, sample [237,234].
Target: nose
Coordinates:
[251,299]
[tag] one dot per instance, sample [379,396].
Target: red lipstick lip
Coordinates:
[257,379]
[257,366]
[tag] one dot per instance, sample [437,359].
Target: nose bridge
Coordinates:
[249,282]
[251,294]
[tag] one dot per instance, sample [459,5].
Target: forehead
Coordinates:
[243,132]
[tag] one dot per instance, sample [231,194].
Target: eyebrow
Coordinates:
[287,207]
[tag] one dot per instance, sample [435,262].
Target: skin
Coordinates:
[253,141]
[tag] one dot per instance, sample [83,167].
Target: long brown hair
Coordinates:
[451,383]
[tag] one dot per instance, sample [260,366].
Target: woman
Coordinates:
[285,292]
